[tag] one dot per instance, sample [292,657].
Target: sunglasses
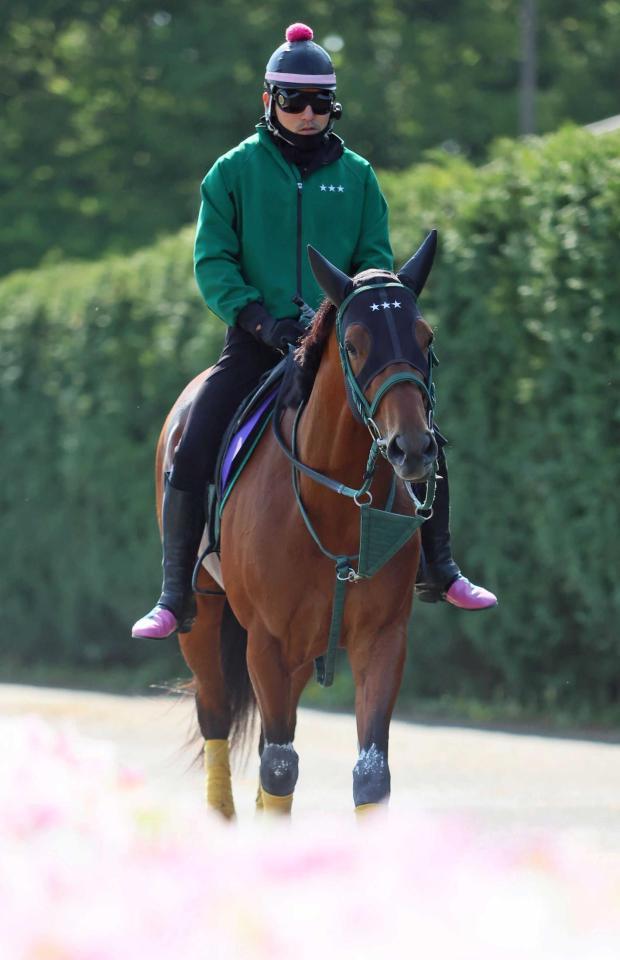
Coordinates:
[296,101]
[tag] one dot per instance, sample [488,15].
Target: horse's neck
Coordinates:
[331,440]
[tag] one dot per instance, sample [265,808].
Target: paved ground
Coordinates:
[508,781]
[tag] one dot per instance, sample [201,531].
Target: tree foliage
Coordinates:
[111,112]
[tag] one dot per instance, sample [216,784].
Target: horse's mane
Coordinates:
[307,357]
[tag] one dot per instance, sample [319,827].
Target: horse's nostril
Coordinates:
[396,451]
[431,445]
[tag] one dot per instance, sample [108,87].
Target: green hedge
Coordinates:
[92,356]
[526,304]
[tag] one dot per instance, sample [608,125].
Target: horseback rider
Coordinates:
[292,183]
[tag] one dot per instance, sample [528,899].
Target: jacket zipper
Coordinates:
[300,187]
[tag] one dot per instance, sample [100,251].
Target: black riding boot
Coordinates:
[182,526]
[437,568]
[439,578]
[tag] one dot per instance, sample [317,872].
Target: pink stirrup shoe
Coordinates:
[156,625]
[466,595]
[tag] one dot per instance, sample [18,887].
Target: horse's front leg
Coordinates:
[277,692]
[377,663]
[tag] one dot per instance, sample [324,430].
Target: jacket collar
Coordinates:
[332,151]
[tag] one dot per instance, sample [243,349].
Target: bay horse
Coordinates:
[257,642]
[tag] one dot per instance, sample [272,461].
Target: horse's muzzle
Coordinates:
[413,456]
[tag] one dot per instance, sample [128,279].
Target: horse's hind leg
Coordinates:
[201,650]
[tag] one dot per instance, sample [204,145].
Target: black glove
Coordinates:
[276,334]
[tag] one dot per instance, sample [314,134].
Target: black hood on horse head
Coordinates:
[385,306]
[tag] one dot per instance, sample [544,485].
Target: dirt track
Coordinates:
[502,780]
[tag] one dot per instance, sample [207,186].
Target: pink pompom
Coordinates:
[298,31]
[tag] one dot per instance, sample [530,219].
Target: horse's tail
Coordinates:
[238,686]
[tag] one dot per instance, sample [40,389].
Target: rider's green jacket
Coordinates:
[258,215]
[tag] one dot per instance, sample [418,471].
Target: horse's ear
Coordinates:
[333,282]
[415,272]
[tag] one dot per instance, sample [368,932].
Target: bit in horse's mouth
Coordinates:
[423,477]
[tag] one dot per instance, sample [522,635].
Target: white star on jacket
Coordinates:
[332,188]
[374,306]
[323,187]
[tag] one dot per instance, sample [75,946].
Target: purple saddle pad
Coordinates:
[241,437]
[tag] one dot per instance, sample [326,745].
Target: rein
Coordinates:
[382,532]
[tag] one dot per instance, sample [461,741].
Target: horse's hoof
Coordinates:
[467,596]
[281,806]
[156,625]
[365,809]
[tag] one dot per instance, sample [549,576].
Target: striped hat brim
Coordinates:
[297,79]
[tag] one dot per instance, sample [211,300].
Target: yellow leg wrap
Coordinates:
[365,809]
[259,799]
[273,804]
[219,786]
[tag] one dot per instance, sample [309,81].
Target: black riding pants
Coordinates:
[243,362]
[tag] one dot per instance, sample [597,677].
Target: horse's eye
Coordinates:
[350,349]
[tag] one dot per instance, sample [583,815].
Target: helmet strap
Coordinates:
[270,121]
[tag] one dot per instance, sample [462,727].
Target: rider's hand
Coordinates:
[277,334]
[280,333]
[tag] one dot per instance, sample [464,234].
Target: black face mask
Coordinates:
[389,314]
[305,143]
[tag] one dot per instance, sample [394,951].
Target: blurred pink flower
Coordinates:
[93,867]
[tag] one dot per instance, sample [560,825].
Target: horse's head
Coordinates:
[386,355]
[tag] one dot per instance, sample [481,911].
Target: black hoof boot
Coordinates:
[371,777]
[279,769]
